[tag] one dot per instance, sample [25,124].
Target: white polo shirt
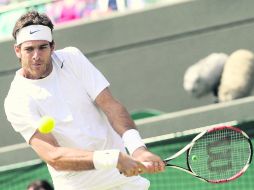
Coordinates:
[67,95]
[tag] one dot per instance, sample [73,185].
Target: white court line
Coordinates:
[20,165]
[187,132]
[13,147]
[193,111]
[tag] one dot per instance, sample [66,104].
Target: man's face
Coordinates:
[35,58]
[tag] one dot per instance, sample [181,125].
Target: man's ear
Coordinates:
[17,51]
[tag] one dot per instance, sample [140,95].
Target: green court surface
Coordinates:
[145,113]
[18,179]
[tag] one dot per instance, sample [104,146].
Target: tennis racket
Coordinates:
[217,155]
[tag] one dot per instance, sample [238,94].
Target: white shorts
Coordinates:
[137,184]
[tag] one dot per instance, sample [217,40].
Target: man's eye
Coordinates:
[29,49]
[44,47]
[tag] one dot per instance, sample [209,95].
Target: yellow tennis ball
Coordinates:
[46,124]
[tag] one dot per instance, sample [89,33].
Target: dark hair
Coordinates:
[40,185]
[32,18]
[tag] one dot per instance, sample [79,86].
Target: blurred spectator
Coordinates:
[69,10]
[7,19]
[112,4]
[135,4]
[40,185]
[62,11]
[89,8]
[4,2]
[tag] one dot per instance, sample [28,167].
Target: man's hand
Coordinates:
[130,166]
[152,162]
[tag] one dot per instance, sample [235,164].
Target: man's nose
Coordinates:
[36,55]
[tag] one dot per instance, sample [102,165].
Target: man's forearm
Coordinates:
[116,113]
[68,159]
[120,119]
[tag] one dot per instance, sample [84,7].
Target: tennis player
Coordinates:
[86,150]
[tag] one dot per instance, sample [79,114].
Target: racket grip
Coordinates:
[147,164]
[150,164]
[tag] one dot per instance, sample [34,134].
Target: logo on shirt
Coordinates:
[32,32]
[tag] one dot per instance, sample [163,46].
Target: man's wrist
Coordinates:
[132,140]
[105,159]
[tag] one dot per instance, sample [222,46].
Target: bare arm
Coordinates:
[116,113]
[71,159]
[121,121]
[61,158]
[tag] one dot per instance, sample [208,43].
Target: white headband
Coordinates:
[34,32]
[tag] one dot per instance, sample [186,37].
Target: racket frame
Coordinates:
[188,147]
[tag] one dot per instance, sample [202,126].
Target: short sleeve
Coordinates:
[22,115]
[91,78]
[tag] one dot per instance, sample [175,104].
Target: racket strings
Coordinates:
[220,154]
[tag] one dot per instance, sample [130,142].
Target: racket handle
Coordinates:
[147,164]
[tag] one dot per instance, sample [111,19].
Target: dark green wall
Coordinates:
[145,54]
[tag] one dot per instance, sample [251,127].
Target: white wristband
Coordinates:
[132,140]
[105,159]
